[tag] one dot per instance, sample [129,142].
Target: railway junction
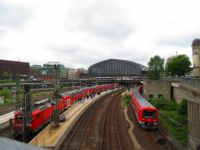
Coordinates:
[99,122]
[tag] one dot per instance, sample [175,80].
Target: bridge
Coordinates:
[129,81]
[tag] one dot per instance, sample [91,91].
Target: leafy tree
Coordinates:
[156,67]
[178,65]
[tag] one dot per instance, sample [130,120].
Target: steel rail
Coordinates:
[89,112]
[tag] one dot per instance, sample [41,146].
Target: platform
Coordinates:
[52,138]
[6,117]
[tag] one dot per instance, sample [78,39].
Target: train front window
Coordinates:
[149,114]
[19,118]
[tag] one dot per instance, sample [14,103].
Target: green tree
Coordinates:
[178,65]
[5,92]
[156,67]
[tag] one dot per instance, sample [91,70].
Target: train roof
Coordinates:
[43,105]
[141,100]
[71,92]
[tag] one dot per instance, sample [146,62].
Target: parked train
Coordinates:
[42,112]
[146,114]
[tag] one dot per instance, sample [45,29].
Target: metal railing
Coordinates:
[192,82]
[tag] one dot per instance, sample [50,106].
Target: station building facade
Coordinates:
[116,68]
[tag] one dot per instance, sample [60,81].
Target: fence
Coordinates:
[193,82]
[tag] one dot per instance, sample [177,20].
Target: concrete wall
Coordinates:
[180,91]
[177,94]
[157,88]
[193,97]
[193,125]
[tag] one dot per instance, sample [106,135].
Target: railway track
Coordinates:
[165,142]
[149,138]
[6,109]
[76,135]
[111,138]
[5,130]
[97,128]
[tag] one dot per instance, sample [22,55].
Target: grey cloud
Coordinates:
[4,50]
[66,50]
[1,34]
[181,41]
[114,30]
[72,56]
[13,16]
[103,21]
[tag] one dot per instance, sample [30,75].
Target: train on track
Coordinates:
[146,114]
[42,112]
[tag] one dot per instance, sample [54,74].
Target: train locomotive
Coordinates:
[146,114]
[42,111]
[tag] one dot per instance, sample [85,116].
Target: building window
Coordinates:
[194,51]
[160,96]
[150,96]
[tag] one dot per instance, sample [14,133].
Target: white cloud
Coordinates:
[79,33]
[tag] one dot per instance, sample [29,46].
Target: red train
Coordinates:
[146,114]
[42,112]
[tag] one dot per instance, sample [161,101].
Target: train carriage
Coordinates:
[146,114]
[42,111]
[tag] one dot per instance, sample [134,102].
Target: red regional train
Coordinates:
[42,112]
[146,114]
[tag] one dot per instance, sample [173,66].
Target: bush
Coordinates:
[173,117]
[164,104]
[6,94]
[182,107]
[125,99]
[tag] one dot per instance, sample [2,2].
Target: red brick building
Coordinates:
[13,68]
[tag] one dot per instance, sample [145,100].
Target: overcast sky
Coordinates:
[79,33]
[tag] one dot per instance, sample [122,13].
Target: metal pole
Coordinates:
[56,94]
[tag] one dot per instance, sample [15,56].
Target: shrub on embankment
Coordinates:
[174,117]
[125,99]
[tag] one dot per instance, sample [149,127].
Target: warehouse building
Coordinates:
[10,69]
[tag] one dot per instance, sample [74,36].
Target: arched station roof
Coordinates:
[115,68]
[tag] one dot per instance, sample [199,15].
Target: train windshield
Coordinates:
[19,118]
[149,114]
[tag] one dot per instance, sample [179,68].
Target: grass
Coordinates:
[179,132]
[173,120]
[7,81]
[9,100]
